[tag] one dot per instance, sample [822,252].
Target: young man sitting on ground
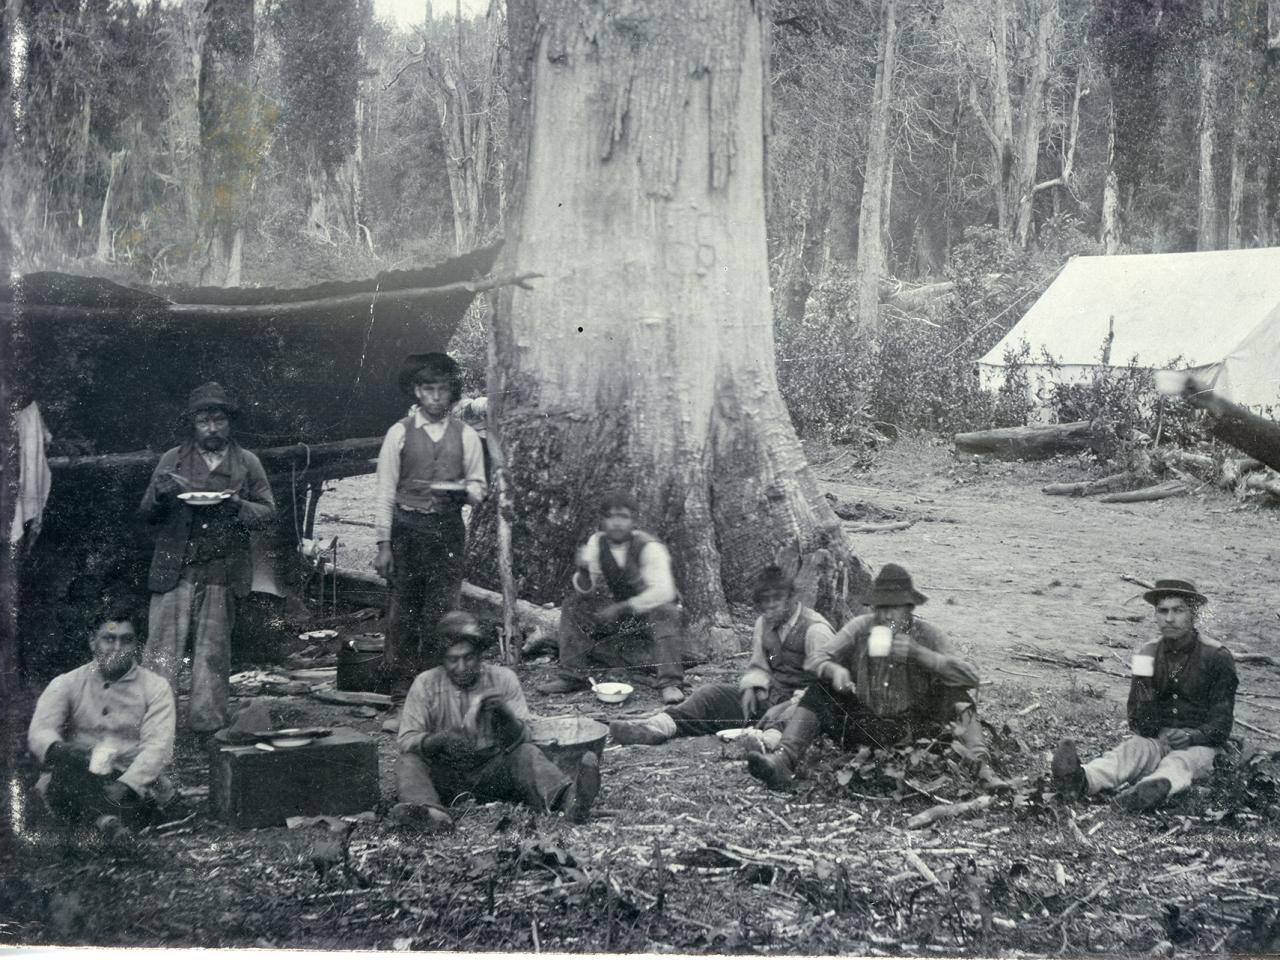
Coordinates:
[104,733]
[463,731]
[786,633]
[1181,710]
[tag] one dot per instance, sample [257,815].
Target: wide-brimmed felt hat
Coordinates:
[893,588]
[772,579]
[414,362]
[1174,588]
[210,396]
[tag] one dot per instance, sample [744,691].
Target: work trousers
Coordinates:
[718,706]
[427,551]
[74,794]
[650,639]
[844,718]
[204,614]
[1148,758]
[523,774]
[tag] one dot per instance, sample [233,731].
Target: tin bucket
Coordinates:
[566,739]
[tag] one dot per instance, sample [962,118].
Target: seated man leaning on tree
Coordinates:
[887,678]
[463,731]
[1181,710]
[621,610]
[104,732]
[786,633]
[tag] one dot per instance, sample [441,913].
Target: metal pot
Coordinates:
[566,739]
[360,664]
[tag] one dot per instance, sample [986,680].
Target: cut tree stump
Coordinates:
[1234,470]
[1263,481]
[1160,491]
[1039,442]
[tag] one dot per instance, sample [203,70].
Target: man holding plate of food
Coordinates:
[205,496]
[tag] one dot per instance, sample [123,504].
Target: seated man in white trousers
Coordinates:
[1181,701]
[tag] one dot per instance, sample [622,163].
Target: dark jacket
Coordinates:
[239,471]
[1200,698]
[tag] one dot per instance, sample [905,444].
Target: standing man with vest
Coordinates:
[429,465]
[786,632]
[621,610]
[202,565]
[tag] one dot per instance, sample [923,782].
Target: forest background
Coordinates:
[931,163]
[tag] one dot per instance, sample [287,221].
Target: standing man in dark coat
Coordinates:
[202,564]
[430,464]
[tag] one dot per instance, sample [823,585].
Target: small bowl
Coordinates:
[613,692]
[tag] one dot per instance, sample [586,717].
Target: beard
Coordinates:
[115,665]
[213,444]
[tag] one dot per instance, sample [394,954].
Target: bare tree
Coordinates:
[877,174]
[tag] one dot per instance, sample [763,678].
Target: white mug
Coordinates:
[101,760]
[1143,666]
[880,641]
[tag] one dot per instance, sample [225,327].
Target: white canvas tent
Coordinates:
[1218,310]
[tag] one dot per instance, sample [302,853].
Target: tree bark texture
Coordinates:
[1110,232]
[644,358]
[870,265]
[1207,229]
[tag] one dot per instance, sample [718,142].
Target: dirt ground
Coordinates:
[686,853]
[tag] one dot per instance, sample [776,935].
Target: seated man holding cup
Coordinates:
[888,677]
[1181,705]
[104,733]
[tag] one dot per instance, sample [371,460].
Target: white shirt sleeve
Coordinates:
[388,478]
[473,463]
[659,585]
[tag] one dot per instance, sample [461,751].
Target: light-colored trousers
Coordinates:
[203,613]
[1148,758]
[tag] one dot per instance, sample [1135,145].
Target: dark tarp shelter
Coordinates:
[313,369]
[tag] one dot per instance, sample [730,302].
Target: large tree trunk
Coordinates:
[644,358]
[870,265]
[1207,229]
[1021,189]
[1250,65]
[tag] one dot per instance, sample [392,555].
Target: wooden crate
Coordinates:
[337,774]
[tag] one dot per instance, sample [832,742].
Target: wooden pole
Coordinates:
[274,459]
[511,647]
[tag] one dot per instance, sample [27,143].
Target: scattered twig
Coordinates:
[1250,726]
[922,868]
[944,812]
[1077,904]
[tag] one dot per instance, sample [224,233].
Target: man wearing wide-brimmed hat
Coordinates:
[463,731]
[1181,709]
[201,564]
[430,464]
[887,678]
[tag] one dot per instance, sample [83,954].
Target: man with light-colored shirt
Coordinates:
[463,731]
[786,634]
[430,464]
[205,497]
[884,690]
[104,732]
[621,610]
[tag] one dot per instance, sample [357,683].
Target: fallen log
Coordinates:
[530,617]
[948,811]
[1233,470]
[1160,491]
[879,527]
[1088,488]
[1263,481]
[1039,442]
[299,457]
[1199,464]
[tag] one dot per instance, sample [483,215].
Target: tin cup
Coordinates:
[1143,666]
[101,760]
[880,641]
